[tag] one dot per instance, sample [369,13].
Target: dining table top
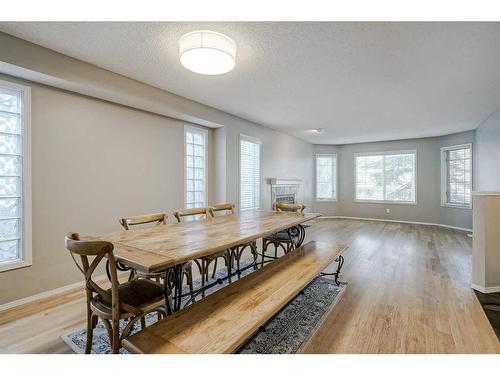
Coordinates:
[158,247]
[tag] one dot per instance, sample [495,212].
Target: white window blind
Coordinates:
[456,169]
[249,173]
[15,241]
[326,177]
[196,162]
[386,177]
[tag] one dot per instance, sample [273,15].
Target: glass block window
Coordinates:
[249,173]
[196,167]
[386,177]
[14,104]
[326,177]
[456,179]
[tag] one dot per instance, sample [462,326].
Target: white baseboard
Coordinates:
[396,221]
[486,290]
[47,294]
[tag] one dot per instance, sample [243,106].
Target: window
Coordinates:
[196,167]
[387,177]
[15,193]
[249,173]
[326,177]
[456,176]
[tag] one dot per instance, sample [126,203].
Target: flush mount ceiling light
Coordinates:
[318,131]
[207,52]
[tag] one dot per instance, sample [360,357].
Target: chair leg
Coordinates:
[130,325]
[115,341]
[264,246]
[227,259]
[109,329]
[132,275]
[180,286]
[238,257]
[253,248]
[203,271]
[234,254]
[189,279]
[90,330]
[168,302]
[207,268]
[215,268]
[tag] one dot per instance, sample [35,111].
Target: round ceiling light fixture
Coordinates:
[207,52]
[318,131]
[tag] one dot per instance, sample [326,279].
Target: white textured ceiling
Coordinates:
[359,81]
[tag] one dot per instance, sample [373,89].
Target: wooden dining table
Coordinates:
[156,248]
[162,247]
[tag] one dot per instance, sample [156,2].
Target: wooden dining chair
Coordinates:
[129,301]
[205,213]
[281,239]
[159,276]
[236,252]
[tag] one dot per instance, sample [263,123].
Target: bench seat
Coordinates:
[224,320]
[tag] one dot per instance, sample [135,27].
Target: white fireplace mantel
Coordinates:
[284,181]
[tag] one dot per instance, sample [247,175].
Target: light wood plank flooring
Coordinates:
[409,292]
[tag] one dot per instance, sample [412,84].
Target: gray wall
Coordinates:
[488,154]
[428,208]
[282,156]
[94,161]
[329,208]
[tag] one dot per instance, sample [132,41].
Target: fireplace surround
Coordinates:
[284,190]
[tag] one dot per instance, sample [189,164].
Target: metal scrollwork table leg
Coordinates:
[340,261]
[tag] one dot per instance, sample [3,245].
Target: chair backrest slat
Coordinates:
[227,208]
[293,207]
[203,212]
[159,219]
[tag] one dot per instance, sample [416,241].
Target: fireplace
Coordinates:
[286,198]
[284,190]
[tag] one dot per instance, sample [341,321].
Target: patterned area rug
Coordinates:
[286,333]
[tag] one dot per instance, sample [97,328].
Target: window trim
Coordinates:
[205,133]
[384,153]
[335,199]
[444,177]
[26,259]
[259,142]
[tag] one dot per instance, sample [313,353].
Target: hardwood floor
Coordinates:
[409,292]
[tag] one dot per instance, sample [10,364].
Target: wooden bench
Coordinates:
[224,320]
